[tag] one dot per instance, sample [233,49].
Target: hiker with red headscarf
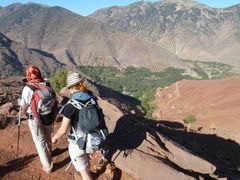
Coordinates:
[41,134]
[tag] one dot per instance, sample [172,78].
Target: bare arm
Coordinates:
[62,130]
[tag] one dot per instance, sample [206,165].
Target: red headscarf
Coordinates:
[33,74]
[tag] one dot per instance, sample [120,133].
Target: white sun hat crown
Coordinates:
[73,79]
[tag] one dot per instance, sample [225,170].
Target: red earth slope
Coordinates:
[215,104]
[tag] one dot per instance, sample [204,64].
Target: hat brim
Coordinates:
[74,84]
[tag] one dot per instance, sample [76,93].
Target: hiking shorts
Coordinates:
[78,157]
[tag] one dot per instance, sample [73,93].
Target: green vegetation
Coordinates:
[136,82]
[141,83]
[210,70]
[58,81]
[190,119]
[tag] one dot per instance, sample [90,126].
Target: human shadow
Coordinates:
[130,131]
[4,122]
[58,151]
[16,164]
[61,164]
[126,137]
[175,125]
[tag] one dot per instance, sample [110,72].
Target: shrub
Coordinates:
[58,81]
[190,119]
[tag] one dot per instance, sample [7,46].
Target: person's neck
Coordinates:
[76,91]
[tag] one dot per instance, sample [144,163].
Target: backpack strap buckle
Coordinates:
[76,103]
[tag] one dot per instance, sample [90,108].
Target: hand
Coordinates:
[18,101]
[54,140]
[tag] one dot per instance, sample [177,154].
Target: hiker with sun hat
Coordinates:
[79,157]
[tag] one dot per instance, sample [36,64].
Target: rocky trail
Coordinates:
[27,164]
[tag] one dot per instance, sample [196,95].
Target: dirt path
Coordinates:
[27,164]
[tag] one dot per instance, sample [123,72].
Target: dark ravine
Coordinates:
[14,57]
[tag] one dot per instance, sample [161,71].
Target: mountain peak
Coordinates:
[179,1]
[15,4]
[36,4]
[185,3]
[142,2]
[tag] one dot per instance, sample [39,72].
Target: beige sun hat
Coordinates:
[73,79]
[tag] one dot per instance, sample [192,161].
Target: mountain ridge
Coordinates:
[14,57]
[77,40]
[190,31]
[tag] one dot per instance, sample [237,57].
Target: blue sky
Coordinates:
[86,7]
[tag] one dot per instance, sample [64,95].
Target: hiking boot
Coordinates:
[110,170]
[100,167]
[49,169]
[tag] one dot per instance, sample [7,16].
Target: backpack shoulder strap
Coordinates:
[93,101]
[31,87]
[41,86]
[76,104]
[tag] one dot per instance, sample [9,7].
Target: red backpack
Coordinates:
[43,104]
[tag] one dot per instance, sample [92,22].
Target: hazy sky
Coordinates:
[86,7]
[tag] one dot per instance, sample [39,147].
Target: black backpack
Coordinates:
[91,122]
[90,118]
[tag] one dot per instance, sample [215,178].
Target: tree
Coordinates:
[190,119]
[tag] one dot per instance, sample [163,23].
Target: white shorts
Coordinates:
[78,157]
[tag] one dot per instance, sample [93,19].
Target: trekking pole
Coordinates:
[18,133]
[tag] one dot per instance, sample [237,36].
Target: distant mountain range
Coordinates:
[77,40]
[144,34]
[188,29]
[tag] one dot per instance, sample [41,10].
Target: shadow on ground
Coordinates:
[60,164]
[58,151]
[130,132]
[16,164]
